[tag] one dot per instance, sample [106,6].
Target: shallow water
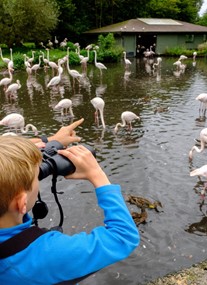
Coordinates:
[151,161]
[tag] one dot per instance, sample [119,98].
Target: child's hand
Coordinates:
[67,134]
[86,165]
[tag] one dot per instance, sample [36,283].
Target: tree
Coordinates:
[203,20]
[183,10]
[23,20]
[66,14]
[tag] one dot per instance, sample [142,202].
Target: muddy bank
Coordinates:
[195,275]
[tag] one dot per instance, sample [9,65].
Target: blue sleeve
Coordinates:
[63,257]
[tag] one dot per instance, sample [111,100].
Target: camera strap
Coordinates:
[22,240]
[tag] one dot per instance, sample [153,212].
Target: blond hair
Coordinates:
[19,158]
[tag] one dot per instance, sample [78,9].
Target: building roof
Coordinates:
[152,25]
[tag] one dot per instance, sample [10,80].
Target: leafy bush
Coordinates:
[177,51]
[203,47]
[106,42]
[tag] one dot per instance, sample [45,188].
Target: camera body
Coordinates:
[54,163]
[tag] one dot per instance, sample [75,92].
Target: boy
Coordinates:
[54,257]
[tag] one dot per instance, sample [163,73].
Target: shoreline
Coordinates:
[194,275]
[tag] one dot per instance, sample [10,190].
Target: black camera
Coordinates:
[54,163]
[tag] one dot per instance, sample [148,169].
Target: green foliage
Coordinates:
[67,12]
[108,50]
[39,20]
[24,20]
[202,20]
[177,51]
[106,42]
[112,55]
[18,60]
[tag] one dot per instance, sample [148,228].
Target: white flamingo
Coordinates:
[5,59]
[56,41]
[31,59]
[203,139]
[10,64]
[127,117]
[63,44]
[98,103]
[52,64]
[12,88]
[7,80]
[85,59]
[177,64]
[78,51]
[126,61]
[201,171]
[35,67]
[50,44]
[203,101]
[65,105]
[26,62]
[182,57]
[158,63]
[56,79]
[45,60]
[73,73]
[99,65]
[17,121]
[194,55]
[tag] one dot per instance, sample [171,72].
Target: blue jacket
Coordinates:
[56,257]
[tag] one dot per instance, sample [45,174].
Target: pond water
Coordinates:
[151,161]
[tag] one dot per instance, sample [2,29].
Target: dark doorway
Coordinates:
[145,42]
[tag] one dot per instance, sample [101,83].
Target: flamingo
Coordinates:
[31,59]
[74,73]
[203,101]
[85,59]
[26,62]
[98,103]
[201,171]
[56,79]
[78,51]
[158,63]
[149,52]
[5,59]
[203,139]
[99,65]
[127,117]
[35,67]
[50,44]
[17,121]
[56,41]
[127,61]
[182,57]
[194,55]
[46,61]
[177,64]
[63,44]
[65,105]
[64,59]
[12,88]
[7,80]
[11,63]
[52,64]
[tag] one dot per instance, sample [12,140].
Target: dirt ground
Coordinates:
[195,275]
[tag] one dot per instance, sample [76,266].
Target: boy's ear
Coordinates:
[20,203]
